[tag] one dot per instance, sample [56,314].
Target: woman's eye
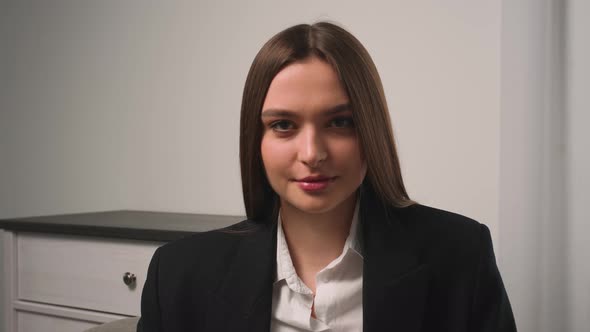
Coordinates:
[284,126]
[281,125]
[342,122]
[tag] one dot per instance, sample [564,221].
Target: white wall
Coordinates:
[5,192]
[135,104]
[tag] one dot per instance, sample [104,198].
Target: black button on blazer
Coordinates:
[425,269]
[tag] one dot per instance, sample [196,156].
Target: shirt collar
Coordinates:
[285,268]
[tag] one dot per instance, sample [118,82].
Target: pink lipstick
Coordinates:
[315,183]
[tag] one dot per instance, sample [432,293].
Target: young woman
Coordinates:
[332,241]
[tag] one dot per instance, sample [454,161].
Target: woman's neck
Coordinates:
[315,240]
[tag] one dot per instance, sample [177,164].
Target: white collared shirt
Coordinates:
[339,290]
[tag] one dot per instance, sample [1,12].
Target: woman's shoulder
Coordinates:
[197,261]
[442,231]
[204,256]
[428,218]
[217,239]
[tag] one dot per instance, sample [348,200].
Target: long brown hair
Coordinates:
[359,76]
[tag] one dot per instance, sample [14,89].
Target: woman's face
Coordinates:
[308,132]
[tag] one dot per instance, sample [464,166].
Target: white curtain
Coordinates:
[544,162]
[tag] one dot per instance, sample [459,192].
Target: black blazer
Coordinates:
[424,270]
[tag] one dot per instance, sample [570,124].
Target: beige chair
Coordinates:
[121,325]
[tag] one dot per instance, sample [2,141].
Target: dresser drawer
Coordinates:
[82,272]
[33,322]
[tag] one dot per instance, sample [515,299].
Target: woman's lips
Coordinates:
[314,186]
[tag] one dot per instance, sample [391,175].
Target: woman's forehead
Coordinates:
[308,84]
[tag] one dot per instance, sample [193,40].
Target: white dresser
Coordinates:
[72,272]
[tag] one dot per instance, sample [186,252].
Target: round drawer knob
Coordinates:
[129,278]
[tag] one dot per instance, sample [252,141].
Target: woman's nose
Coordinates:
[312,149]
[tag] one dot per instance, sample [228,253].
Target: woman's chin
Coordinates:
[313,205]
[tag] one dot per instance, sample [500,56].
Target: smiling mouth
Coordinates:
[312,179]
[315,185]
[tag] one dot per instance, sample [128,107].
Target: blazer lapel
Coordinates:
[245,292]
[395,284]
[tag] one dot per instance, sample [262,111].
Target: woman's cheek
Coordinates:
[275,156]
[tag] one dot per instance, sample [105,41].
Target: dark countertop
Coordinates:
[124,224]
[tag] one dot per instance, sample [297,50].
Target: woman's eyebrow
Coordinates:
[277,112]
